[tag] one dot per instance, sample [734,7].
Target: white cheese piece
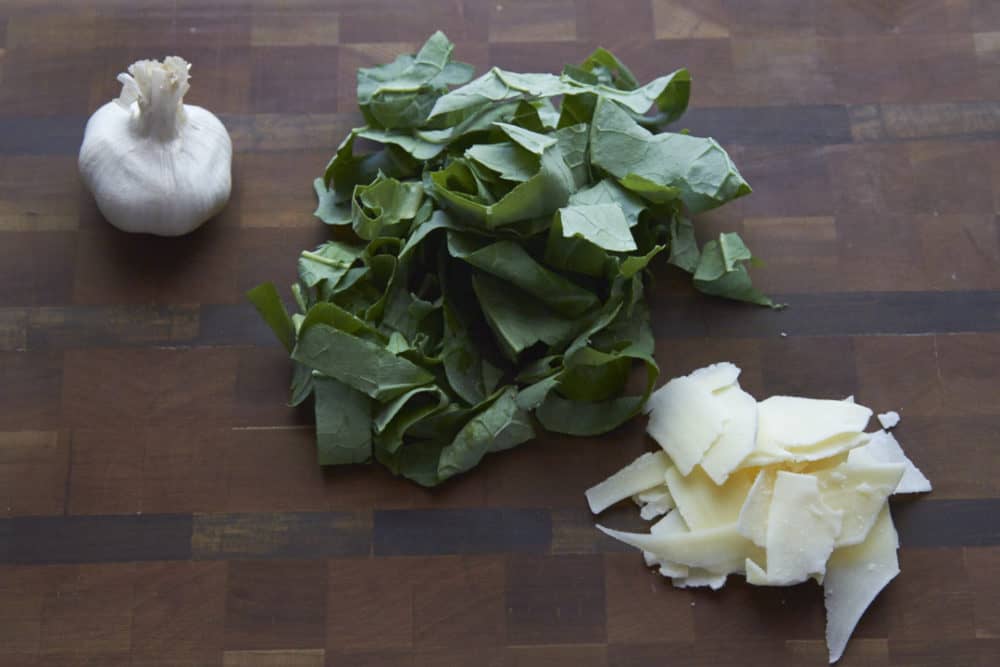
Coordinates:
[672,523]
[756,576]
[768,452]
[685,420]
[884,448]
[793,422]
[739,434]
[701,578]
[858,491]
[752,521]
[673,570]
[854,576]
[655,494]
[650,511]
[888,419]
[702,503]
[717,377]
[717,549]
[654,502]
[645,472]
[801,530]
[821,464]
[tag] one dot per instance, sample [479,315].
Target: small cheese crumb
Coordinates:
[888,419]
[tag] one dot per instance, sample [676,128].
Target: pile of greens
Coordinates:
[487,276]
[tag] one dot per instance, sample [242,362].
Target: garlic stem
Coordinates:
[158,89]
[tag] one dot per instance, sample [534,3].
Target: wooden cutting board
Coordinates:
[161,503]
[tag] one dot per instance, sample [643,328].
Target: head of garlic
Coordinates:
[154,164]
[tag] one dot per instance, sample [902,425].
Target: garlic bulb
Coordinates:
[154,164]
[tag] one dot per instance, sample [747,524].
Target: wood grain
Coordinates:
[160,505]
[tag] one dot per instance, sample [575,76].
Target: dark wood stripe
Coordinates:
[41,135]
[283,535]
[69,327]
[97,539]
[6,540]
[461,531]
[947,523]
[817,124]
[921,523]
[808,124]
[233,324]
[947,120]
[831,314]
[691,315]
[684,315]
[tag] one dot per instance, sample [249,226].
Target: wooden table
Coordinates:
[162,506]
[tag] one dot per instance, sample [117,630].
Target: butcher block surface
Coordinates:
[162,507]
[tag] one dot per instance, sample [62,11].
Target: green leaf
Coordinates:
[562,414]
[533,395]
[385,207]
[357,362]
[668,93]
[722,272]
[400,94]
[684,251]
[604,225]
[500,426]
[335,316]
[396,417]
[497,86]
[519,321]
[330,262]
[577,109]
[463,363]
[573,142]
[345,171]
[328,209]
[574,253]
[607,191]
[408,314]
[509,261]
[414,145]
[540,195]
[302,384]
[343,423]
[636,263]
[416,461]
[650,190]
[592,375]
[267,302]
[469,123]
[532,142]
[511,162]
[609,70]
[698,168]
[529,116]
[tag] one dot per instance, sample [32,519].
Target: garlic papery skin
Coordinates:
[154,164]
